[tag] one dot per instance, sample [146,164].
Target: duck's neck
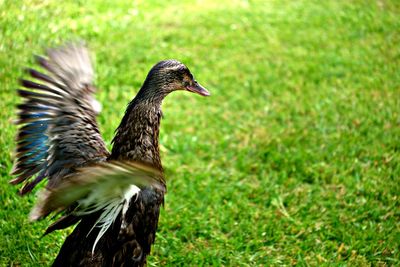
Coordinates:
[137,135]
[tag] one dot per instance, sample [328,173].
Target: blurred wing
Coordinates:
[106,188]
[58,129]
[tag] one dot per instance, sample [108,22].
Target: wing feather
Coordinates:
[104,188]
[58,129]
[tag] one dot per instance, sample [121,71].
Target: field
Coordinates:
[293,160]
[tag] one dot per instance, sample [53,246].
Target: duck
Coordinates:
[112,197]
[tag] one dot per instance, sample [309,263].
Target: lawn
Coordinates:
[293,160]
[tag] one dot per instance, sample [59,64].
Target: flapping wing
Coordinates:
[93,186]
[58,129]
[105,188]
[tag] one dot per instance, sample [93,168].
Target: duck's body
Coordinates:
[129,239]
[115,197]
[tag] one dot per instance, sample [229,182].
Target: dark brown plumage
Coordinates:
[115,197]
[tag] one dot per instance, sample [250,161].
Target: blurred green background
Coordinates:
[294,160]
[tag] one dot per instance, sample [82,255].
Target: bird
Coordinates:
[112,197]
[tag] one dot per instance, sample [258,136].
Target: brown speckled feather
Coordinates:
[131,236]
[58,129]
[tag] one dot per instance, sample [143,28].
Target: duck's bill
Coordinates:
[198,89]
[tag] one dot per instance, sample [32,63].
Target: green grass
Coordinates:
[294,160]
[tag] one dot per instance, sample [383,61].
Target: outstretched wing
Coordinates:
[105,188]
[58,130]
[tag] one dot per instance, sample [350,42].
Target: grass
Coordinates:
[294,160]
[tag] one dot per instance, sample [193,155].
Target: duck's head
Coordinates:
[171,75]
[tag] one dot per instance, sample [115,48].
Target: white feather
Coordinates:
[96,105]
[106,187]
[111,209]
